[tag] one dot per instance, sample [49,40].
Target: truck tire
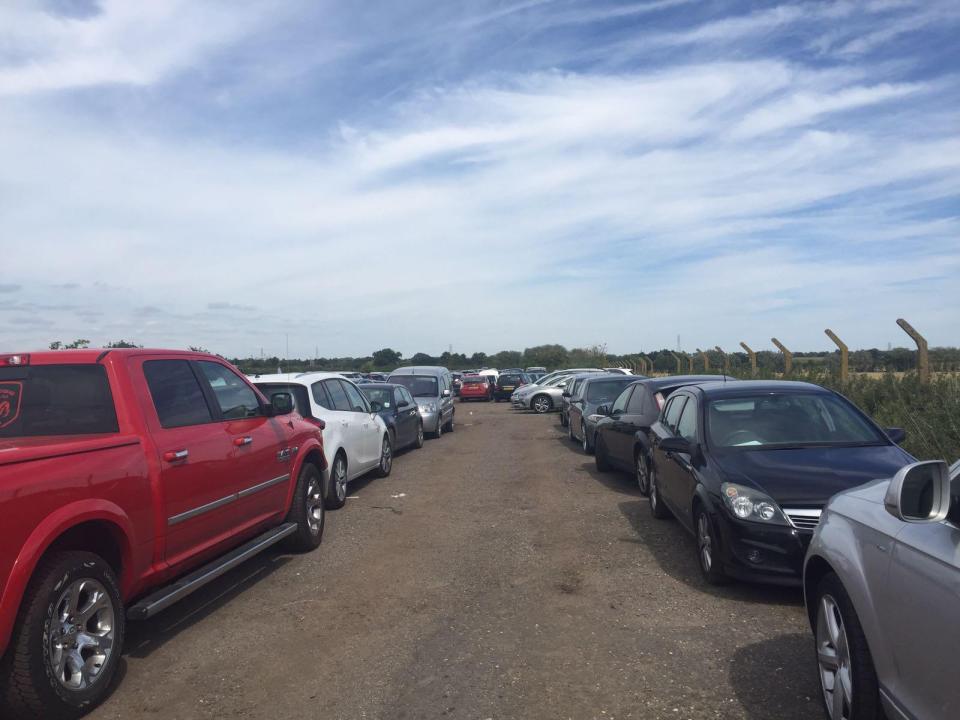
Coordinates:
[67,641]
[307,511]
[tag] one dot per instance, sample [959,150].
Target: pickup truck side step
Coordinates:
[167,596]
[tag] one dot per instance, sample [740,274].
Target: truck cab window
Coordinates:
[236,398]
[176,392]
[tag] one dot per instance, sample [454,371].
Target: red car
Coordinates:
[475,387]
[129,479]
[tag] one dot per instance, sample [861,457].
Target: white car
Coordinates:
[355,438]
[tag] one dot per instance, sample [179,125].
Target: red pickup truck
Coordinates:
[128,479]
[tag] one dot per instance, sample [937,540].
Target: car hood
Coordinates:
[810,476]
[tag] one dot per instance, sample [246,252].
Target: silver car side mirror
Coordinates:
[920,492]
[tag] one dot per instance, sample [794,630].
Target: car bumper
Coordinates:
[762,553]
[430,420]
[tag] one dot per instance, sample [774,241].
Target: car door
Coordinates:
[351,436]
[618,437]
[367,427]
[197,481]
[666,427]
[683,474]
[406,416]
[920,619]
[262,450]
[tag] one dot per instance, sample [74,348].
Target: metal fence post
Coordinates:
[753,358]
[787,356]
[923,359]
[726,360]
[677,358]
[844,355]
[706,360]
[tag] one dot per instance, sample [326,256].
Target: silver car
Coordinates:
[547,391]
[882,588]
[432,389]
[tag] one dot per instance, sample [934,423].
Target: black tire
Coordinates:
[450,424]
[307,511]
[657,508]
[334,499]
[29,687]
[708,544]
[418,443]
[642,473]
[541,404]
[600,456]
[386,458]
[864,696]
[570,432]
[564,420]
[585,441]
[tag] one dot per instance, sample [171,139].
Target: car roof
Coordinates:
[656,383]
[86,356]
[591,377]
[303,378]
[757,387]
[420,370]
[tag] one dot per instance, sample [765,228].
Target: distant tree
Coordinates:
[506,359]
[386,357]
[548,356]
[423,359]
[121,344]
[478,359]
[56,345]
[198,348]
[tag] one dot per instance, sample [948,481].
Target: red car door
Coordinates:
[261,446]
[197,474]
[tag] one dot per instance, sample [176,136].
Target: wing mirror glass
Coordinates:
[896,435]
[281,403]
[603,410]
[920,492]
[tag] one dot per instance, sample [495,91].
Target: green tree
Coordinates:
[121,344]
[387,357]
[548,356]
[423,359]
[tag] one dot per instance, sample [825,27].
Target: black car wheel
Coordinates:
[642,466]
[573,438]
[657,508]
[848,679]
[419,441]
[708,548]
[564,421]
[585,442]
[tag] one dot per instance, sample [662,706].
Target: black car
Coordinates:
[621,436]
[399,411]
[507,383]
[594,392]
[747,468]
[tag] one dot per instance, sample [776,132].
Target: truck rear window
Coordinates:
[55,400]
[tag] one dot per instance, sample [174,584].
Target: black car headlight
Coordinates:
[749,504]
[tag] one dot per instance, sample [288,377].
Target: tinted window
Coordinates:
[787,420]
[687,425]
[357,403]
[301,401]
[382,395]
[672,412]
[603,391]
[320,396]
[55,400]
[635,406]
[510,380]
[474,381]
[621,402]
[176,392]
[235,397]
[419,385]
[337,395]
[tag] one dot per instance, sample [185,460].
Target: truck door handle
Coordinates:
[241,441]
[176,455]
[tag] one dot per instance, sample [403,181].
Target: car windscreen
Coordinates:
[384,396]
[55,400]
[301,397]
[418,385]
[785,421]
[599,391]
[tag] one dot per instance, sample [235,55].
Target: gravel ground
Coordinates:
[495,574]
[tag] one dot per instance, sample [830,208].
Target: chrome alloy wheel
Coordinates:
[704,542]
[340,478]
[654,493]
[643,478]
[586,444]
[833,658]
[386,457]
[81,634]
[315,504]
[541,405]
[420,435]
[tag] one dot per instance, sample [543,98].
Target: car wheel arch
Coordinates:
[815,569]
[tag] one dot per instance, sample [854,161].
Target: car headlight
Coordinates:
[749,504]
[428,408]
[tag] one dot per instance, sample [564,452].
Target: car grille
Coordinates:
[803,519]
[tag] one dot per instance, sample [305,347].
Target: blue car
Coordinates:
[747,468]
[399,411]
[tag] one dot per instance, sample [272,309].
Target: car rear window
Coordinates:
[602,390]
[509,379]
[56,400]
[475,381]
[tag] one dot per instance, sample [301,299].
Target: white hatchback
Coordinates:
[355,438]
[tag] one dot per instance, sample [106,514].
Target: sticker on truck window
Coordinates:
[10,393]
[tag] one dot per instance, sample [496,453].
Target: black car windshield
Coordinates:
[602,390]
[418,385]
[790,420]
[384,396]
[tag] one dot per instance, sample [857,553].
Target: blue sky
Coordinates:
[485,175]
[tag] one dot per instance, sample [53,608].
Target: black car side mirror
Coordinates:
[603,410]
[566,394]
[896,435]
[402,404]
[281,403]
[676,444]
[375,406]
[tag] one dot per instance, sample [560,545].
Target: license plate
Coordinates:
[507,388]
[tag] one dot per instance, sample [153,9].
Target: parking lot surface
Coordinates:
[495,574]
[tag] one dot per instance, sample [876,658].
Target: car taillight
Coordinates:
[316,421]
[14,360]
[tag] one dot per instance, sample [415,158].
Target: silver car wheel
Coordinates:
[704,542]
[654,495]
[833,658]
[541,405]
[340,478]
[81,634]
[586,445]
[315,505]
[643,479]
[386,457]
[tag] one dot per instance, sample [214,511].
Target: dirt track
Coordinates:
[510,580]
